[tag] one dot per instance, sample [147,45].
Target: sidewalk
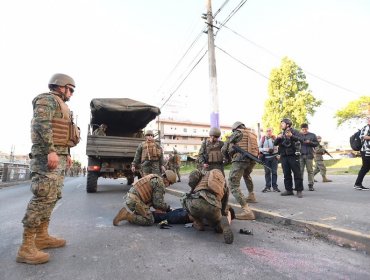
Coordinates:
[334,211]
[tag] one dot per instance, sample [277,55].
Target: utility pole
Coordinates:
[215,122]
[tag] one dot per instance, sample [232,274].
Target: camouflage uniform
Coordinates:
[319,161]
[135,200]
[99,132]
[210,153]
[174,165]
[208,201]
[149,164]
[240,167]
[46,184]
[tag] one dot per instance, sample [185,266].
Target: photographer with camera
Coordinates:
[269,154]
[289,149]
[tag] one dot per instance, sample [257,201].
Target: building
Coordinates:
[184,136]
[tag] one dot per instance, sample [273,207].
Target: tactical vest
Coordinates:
[144,189]
[65,132]
[175,160]
[214,152]
[249,141]
[150,151]
[214,182]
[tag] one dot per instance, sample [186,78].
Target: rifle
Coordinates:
[326,152]
[246,154]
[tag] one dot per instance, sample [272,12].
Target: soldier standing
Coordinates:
[149,154]
[241,167]
[208,200]
[319,161]
[210,156]
[174,163]
[146,192]
[53,133]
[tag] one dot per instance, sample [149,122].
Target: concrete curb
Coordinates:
[339,236]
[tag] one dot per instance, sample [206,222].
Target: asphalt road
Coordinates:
[98,250]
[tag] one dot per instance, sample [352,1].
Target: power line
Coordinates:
[183,80]
[277,56]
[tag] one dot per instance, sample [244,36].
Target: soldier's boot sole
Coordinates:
[227,232]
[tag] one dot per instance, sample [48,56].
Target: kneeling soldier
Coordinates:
[148,191]
[208,201]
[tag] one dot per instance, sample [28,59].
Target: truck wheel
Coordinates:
[92,182]
[130,180]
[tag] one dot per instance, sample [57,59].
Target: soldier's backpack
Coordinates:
[355,141]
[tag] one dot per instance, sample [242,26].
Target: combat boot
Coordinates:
[251,198]
[43,240]
[246,214]
[122,215]
[28,252]
[326,180]
[197,224]
[310,187]
[226,230]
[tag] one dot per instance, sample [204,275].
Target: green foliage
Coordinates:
[289,96]
[354,111]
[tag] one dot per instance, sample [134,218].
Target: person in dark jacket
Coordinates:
[289,142]
[307,154]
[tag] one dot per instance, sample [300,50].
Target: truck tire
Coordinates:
[130,180]
[92,182]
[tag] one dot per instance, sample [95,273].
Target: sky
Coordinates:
[149,51]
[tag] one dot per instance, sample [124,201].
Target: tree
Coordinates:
[288,96]
[354,111]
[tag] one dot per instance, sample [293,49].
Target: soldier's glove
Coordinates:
[164,225]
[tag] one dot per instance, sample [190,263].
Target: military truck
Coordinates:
[110,156]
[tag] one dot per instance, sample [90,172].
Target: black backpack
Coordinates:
[355,141]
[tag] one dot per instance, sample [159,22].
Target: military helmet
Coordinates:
[61,80]
[171,176]
[194,177]
[148,132]
[214,131]
[236,125]
[287,121]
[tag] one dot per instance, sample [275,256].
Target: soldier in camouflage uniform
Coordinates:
[149,154]
[210,156]
[100,131]
[207,202]
[241,167]
[148,191]
[174,162]
[319,151]
[53,133]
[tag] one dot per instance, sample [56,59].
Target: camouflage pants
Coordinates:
[320,167]
[142,214]
[46,187]
[218,166]
[238,170]
[151,167]
[200,209]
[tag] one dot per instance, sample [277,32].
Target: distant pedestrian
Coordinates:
[365,156]
[269,156]
[319,152]
[53,133]
[307,154]
[289,148]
